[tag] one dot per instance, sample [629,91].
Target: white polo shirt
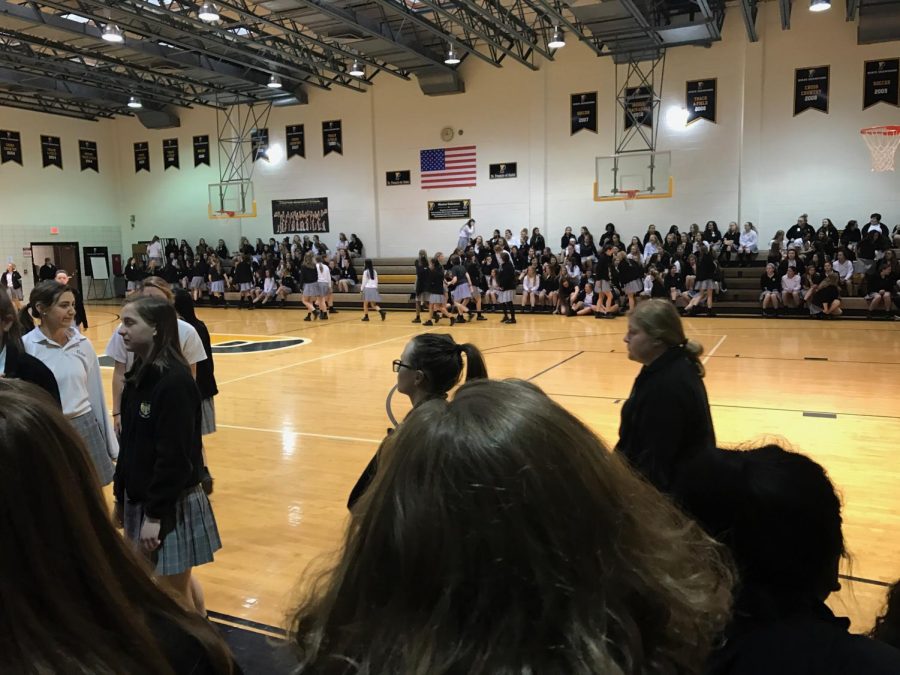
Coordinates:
[191,346]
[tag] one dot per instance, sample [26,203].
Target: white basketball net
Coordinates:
[882,142]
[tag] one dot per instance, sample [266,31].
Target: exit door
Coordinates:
[64,255]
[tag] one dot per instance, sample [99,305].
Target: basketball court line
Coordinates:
[247,624]
[555,365]
[319,358]
[713,350]
[282,432]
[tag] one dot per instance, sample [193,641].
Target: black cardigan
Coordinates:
[22,366]
[160,448]
[666,420]
[507,277]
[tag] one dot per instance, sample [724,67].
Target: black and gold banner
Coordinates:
[51,151]
[87,155]
[811,89]
[295,140]
[332,138]
[398,177]
[142,157]
[700,100]
[201,150]
[450,209]
[10,147]
[170,153]
[583,112]
[880,82]
[259,144]
[638,106]
[505,170]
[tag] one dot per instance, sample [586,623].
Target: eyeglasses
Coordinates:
[398,364]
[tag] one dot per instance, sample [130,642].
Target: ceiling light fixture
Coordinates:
[451,59]
[112,33]
[274,82]
[134,102]
[356,70]
[819,5]
[558,40]
[208,12]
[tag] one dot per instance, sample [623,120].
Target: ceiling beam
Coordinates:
[61,87]
[553,13]
[784,8]
[749,11]
[852,9]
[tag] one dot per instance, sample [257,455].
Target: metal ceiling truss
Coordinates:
[556,13]
[55,106]
[749,10]
[647,75]
[234,133]
[852,9]
[784,8]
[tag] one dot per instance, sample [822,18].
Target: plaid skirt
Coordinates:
[423,297]
[193,541]
[198,282]
[245,286]
[208,416]
[15,293]
[216,286]
[311,290]
[602,285]
[371,295]
[462,292]
[324,288]
[506,296]
[134,286]
[90,432]
[635,286]
[436,298]
[705,285]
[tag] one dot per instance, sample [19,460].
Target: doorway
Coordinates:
[64,255]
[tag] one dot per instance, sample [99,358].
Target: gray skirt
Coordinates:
[87,427]
[423,297]
[134,286]
[462,292]
[506,296]
[193,541]
[635,286]
[371,295]
[705,285]
[311,290]
[15,293]
[436,298]
[216,286]
[324,288]
[208,416]
[198,282]
[762,295]
[602,285]
[245,286]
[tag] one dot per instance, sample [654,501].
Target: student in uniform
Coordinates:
[506,277]
[323,284]
[198,280]
[421,292]
[243,277]
[217,284]
[531,287]
[133,275]
[286,284]
[548,295]
[880,286]
[851,236]
[478,284]
[770,291]
[674,284]
[630,277]
[73,361]
[461,287]
[268,290]
[15,363]
[437,298]
[310,288]
[585,301]
[370,291]
[791,287]
[825,302]
[730,243]
[705,283]
[749,244]
[11,283]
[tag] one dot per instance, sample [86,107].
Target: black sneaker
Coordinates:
[308,317]
[366,317]
[324,316]
[383,314]
[332,310]
[481,318]
[428,323]
[417,320]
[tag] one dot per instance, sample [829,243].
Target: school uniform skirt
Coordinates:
[636,286]
[216,286]
[15,293]
[423,298]
[462,292]
[87,427]
[324,288]
[193,541]
[133,286]
[436,298]
[208,416]
[603,286]
[461,243]
[198,282]
[311,290]
[763,295]
[506,296]
[705,285]
[245,286]
[371,295]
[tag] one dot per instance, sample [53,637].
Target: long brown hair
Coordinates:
[500,535]
[73,596]
[166,350]
[46,293]
[8,313]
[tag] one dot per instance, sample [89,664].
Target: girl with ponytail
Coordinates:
[666,420]
[429,367]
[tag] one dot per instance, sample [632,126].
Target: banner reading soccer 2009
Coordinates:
[298,216]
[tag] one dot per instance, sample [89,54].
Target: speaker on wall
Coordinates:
[165,118]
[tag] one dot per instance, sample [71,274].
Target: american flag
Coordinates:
[448,167]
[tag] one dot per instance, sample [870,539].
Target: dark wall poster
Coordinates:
[811,89]
[296,140]
[89,252]
[880,82]
[51,151]
[583,112]
[332,138]
[700,100]
[291,216]
[259,144]
[87,156]
[507,170]
[170,153]
[398,177]
[142,157]
[10,147]
[638,106]
[201,150]
[453,209]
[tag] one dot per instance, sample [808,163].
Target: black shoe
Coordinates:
[599,315]
[511,321]
[383,314]
[460,319]
[711,312]
[452,321]
[308,317]
[207,481]
[332,310]
[417,320]
[366,317]
[324,316]
[428,323]
[481,318]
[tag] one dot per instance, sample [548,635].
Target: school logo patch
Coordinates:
[145,410]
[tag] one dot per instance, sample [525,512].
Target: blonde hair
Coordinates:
[660,320]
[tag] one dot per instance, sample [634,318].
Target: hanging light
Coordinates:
[819,5]
[356,70]
[558,40]
[208,12]
[451,59]
[274,82]
[134,102]
[112,33]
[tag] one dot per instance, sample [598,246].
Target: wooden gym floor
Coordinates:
[298,424]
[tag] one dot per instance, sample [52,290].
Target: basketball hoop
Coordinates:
[225,214]
[630,194]
[882,142]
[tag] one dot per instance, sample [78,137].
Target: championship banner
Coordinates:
[507,170]
[51,151]
[293,216]
[295,140]
[170,153]
[583,112]
[398,177]
[332,138]
[259,144]
[453,209]
[201,150]
[811,89]
[10,147]
[638,106]
[880,82]
[142,157]
[87,156]
[700,100]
